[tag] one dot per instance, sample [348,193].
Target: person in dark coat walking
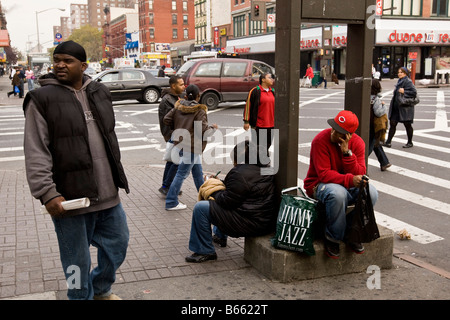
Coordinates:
[403,113]
[168,100]
[161,72]
[378,124]
[246,206]
[15,83]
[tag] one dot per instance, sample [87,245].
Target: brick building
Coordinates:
[162,22]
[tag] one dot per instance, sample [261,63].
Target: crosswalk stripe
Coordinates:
[417,234]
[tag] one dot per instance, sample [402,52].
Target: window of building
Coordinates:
[239,26]
[185,33]
[174,33]
[185,19]
[174,19]
[150,4]
[151,32]
[174,5]
[151,17]
[185,6]
[254,27]
[242,1]
[402,7]
[441,8]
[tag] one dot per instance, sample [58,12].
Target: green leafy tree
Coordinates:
[91,39]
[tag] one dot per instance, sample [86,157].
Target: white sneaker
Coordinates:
[180,206]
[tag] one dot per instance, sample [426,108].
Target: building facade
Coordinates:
[97,15]
[162,22]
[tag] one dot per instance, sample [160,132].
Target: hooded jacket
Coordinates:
[247,206]
[167,103]
[70,145]
[190,116]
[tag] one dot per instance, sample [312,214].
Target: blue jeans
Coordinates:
[30,84]
[188,162]
[170,170]
[107,230]
[336,198]
[200,240]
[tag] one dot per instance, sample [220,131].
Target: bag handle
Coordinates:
[294,188]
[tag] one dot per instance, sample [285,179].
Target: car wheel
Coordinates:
[211,100]
[151,95]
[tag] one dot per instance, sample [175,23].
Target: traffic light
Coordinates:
[258,11]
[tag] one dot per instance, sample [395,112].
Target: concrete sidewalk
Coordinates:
[155,268]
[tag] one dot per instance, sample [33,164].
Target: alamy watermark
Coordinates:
[374,281]
[223,145]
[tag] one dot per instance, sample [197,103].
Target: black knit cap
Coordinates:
[71,48]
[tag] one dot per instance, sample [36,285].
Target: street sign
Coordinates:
[58,37]
[271,20]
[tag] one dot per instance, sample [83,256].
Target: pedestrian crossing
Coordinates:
[427,164]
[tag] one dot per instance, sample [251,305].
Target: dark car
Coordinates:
[139,84]
[223,79]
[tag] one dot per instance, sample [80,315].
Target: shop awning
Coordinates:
[4,38]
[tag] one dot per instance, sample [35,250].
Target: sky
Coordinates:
[21,20]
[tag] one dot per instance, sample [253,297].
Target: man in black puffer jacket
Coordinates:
[72,151]
[246,208]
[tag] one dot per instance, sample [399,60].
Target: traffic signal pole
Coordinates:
[287,68]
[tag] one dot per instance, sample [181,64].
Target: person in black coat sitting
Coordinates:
[244,207]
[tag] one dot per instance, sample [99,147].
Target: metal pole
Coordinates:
[287,68]
[37,29]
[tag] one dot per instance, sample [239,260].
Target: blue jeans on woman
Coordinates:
[201,241]
[336,198]
[188,162]
[107,230]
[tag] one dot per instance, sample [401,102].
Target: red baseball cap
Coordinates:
[345,122]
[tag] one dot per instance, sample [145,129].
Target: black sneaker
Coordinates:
[164,191]
[221,242]
[331,249]
[198,258]
[356,247]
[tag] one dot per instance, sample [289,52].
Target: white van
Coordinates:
[96,66]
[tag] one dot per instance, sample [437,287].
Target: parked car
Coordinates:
[96,66]
[136,84]
[223,79]
[90,71]
[169,71]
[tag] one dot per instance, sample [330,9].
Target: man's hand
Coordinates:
[401,90]
[358,180]
[246,126]
[343,143]
[55,208]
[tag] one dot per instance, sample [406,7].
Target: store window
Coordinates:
[402,8]
[239,26]
[440,8]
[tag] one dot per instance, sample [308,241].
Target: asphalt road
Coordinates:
[413,192]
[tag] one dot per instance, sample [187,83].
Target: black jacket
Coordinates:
[69,144]
[247,207]
[167,103]
[397,111]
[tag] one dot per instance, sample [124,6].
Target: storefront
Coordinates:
[263,48]
[399,43]
[179,50]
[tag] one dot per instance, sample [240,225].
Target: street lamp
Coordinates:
[37,24]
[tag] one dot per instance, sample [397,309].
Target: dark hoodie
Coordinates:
[191,116]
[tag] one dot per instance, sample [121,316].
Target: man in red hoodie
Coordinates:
[337,164]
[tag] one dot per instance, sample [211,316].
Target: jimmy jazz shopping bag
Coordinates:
[364,227]
[296,217]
